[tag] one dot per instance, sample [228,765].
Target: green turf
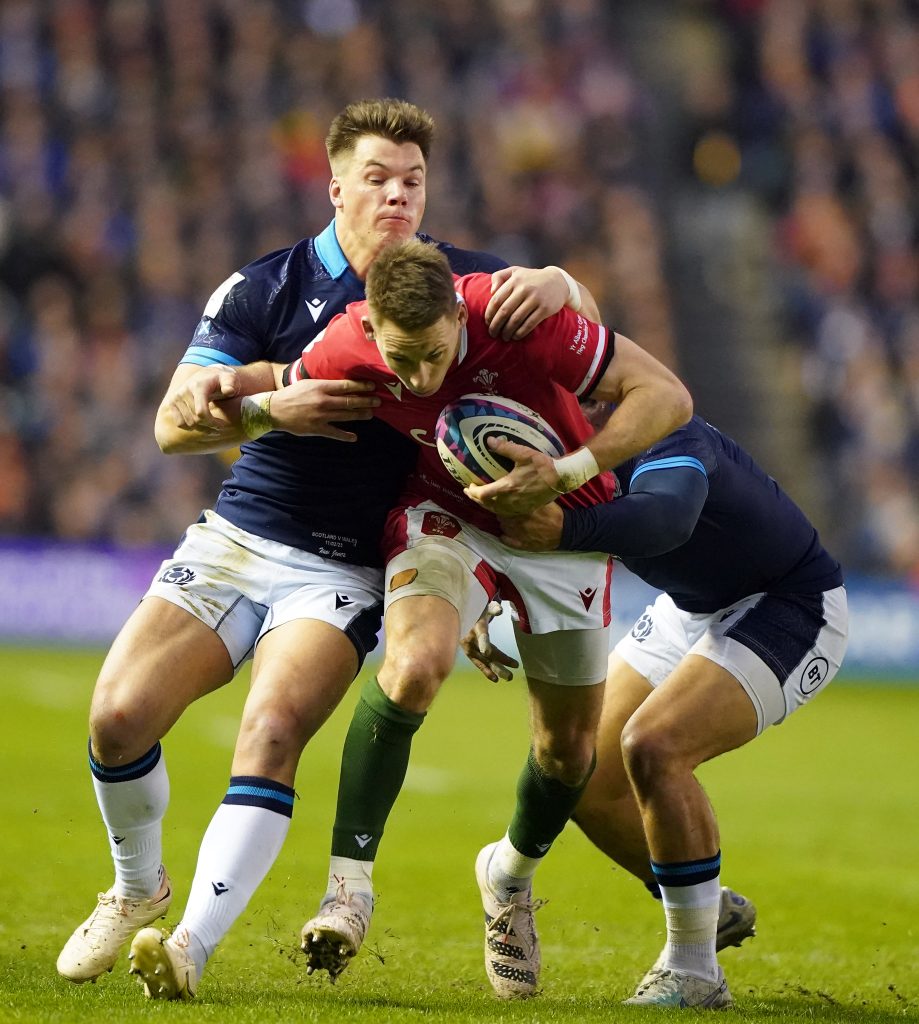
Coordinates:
[819,821]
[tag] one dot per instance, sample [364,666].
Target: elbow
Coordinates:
[679,534]
[166,439]
[682,405]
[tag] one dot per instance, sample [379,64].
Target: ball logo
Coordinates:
[642,628]
[815,671]
[465,427]
[178,574]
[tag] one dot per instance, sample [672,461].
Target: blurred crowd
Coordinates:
[826,111]
[149,148]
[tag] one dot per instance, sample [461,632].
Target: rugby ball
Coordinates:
[465,426]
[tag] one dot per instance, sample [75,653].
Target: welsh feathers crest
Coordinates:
[487,380]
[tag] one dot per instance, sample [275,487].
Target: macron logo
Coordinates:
[219,888]
[315,307]
[542,847]
[394,389]
[118,840]
[342,601]
[363,840]
[587,596]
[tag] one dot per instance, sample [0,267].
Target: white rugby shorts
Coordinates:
[242,586]
[560,601]
[781,648]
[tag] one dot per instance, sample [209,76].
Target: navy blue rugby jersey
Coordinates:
[749,536]
[313,493]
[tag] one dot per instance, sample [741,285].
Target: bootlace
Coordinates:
[504,921]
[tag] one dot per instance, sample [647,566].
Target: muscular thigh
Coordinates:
[163,659]
[301,671]
[700,711]
[626,689]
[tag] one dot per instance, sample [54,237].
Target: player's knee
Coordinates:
[567,758]
[648,754]
[117,735]
[412,674]
[271,740]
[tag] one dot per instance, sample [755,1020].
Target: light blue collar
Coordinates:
[330,253]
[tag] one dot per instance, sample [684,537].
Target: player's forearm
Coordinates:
[650,402]
[643,416]
[200,412]
[227,432]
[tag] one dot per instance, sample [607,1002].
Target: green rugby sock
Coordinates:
[373,766]
[544,805]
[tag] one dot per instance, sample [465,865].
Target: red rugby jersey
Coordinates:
[558,363]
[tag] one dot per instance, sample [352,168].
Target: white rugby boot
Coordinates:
[512,957]
[679,989]
[333,937]
[736,922]
[94,946]
[163,964]
[736,919]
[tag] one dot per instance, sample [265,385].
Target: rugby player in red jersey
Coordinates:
[421,338]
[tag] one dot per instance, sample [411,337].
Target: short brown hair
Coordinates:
[411,285]
[396,120]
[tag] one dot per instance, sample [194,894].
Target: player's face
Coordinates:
[420,359]
[378,192]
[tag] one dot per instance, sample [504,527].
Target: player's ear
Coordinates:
[462,312]
[368,329]
[335,193]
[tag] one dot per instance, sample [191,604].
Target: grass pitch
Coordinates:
[819,827]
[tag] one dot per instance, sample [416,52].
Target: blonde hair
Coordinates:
[411,285]
[397,120]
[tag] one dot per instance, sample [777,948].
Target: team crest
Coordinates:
[437,524]
[642,628]
[178,574]
[487,380]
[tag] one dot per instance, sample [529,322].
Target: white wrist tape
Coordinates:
[575,470]
[255,412]
[574,292]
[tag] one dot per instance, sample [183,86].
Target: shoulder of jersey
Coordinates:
[476,291]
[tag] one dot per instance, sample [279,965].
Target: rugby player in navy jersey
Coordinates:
[286,567]
[750,625]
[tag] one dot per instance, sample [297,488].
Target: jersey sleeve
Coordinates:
[649,521]
[237,323]
[576,350]
[667,490]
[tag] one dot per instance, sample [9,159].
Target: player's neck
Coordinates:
[360,248]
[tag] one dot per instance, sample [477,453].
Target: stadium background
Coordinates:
[734,180]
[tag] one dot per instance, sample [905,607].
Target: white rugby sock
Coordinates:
[356,874]
[239,847]
[133,799]
[509,870]
[692,926]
